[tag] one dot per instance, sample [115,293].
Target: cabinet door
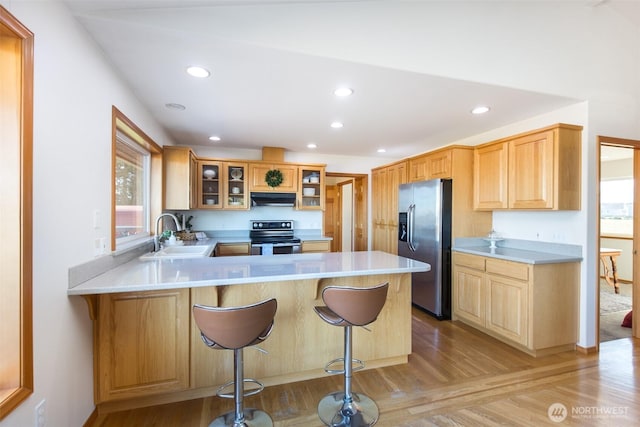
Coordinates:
[142,343]
[439,165]
[311,195]
[378,184]
[235,185]
[177,166]
[418,170]
[469,295]
[531,171]
[507,308]
[210,185]
[490,174]
[258,172]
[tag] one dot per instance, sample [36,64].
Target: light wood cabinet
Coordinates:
[142,344]
[258,172]
[533,307]
[453,162]
[232,249]
[385,184]
[536,170]
[437,164]
[235,194]
[179,187]
[316,246]
[210,190]
[311,194]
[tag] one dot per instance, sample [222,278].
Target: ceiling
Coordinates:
[263,95]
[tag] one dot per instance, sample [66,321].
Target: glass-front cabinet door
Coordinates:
[311,193]
[235,185]
[210,187]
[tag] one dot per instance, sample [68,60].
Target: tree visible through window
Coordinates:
[131,190]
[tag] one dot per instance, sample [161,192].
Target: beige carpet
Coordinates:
[613,308]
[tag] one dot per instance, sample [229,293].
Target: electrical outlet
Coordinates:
[40,414]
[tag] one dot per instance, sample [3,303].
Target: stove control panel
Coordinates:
[272,225]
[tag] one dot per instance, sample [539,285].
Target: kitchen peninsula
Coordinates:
[147,349]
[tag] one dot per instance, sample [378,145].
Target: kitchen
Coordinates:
[87,101]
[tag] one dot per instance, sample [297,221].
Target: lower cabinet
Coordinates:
[232,249]
[142,344]
[531,306]
[316,246]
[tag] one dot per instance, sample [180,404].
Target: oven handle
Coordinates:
[275,245]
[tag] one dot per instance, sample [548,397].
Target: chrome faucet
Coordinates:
[156,238]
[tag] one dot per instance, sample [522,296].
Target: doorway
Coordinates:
[346,216]
[618,209]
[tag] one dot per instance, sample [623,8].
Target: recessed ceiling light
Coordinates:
[336,125]
[174,106]
[312,145]
[381,150]
[343,91]
[214,138]
[481,109]
[196,71]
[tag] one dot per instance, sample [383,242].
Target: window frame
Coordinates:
[19,130]
[122,124]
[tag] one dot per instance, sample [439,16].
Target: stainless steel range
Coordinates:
[273,238]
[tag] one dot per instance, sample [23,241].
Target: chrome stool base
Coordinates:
[252,418]
[360,412]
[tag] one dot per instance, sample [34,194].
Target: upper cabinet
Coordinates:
[536,170]
[179,163]
[311,195]
[433,165]
[210,185]
[288,171]
[235,185]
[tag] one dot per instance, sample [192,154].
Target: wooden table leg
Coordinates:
[611,274]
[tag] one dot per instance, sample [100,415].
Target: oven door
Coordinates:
[275,248]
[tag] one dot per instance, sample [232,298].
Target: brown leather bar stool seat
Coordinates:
[234,328]
[348,307]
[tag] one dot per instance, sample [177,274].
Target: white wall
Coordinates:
[74,91]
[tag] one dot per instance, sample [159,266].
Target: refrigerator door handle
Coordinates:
[410,224]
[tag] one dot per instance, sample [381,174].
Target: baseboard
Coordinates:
[92,418]
[587,350]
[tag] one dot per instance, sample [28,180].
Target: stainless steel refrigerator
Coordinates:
[424,234]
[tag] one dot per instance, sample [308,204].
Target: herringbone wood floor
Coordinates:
[456,376]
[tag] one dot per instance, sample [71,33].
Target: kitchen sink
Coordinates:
[195,251]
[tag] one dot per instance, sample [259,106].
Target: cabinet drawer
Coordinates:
[470,261]
[232,249]
[514,270]
[316,246]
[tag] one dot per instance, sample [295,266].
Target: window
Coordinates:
[16,166]
[616,207]
[137,183]
[131,190]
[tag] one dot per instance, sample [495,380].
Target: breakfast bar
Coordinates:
[148,350]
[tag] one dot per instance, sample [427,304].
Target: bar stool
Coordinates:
[347,307]
[234,328]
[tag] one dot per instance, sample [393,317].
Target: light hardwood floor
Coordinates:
[456,376]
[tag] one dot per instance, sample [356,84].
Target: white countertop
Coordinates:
[138,275]
[525,251]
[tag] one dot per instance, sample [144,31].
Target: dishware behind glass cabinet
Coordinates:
[236,174]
